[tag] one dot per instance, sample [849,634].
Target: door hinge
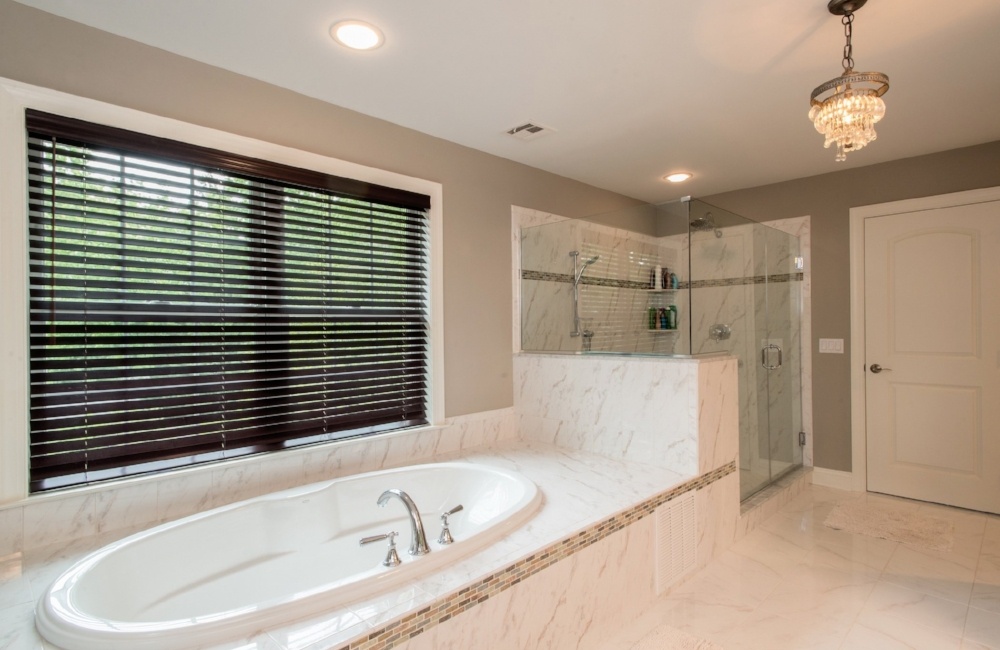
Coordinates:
[802,438]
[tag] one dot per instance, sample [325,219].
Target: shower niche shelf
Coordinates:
[660,300]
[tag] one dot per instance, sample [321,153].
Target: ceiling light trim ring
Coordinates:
[365,25]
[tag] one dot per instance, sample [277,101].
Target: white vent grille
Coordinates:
[676,540]
[529,131]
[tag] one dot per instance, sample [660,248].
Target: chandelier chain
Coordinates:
[846,109]
[848,20]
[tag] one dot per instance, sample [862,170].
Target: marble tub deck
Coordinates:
[579,490]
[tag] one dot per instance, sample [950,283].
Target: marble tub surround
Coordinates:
[588,500]
[118,507]
[678,414]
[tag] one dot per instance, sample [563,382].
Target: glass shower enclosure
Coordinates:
[678,279]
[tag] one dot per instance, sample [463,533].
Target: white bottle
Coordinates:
[659,274]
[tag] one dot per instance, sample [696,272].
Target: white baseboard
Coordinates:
[833,478]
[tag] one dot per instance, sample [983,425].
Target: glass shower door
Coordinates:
[746,301]
[780,353]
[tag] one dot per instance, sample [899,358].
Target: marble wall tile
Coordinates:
[288,471]
[547,316]
[718,511]
[718,413]
[50,521]
[235,483]
[14,586]
[11,530]
[127,507]
[729,256]
[639,409]
[559,607]
[618,316]
[182,495]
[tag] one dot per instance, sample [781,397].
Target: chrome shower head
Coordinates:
[578,270]
[705,223]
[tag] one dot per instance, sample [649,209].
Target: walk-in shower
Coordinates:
[682,278]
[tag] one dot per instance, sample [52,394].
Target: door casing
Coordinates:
[859,434]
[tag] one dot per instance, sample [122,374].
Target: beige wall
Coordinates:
[479,189]
[828,199]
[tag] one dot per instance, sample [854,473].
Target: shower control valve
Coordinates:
[391,556]
[445,536]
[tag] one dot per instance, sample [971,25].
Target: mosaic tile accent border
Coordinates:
[411,625]
[643,286]
[753,279]
[565,277]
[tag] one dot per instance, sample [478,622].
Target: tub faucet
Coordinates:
[418,541]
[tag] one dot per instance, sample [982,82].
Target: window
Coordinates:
[189,305]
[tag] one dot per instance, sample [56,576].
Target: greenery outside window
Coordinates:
[190,305]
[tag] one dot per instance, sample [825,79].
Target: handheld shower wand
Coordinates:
[578,271]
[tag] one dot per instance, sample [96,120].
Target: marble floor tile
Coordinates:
[16,629]
[793,584]
[946,575]
[890,601]
[818,591]
[895,634]
[983,627]
[775,631]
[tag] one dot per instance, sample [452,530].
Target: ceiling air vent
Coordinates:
[529,131]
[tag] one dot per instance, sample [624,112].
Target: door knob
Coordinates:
[877,368]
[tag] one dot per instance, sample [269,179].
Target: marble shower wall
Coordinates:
[614,300]
[716,300]
[728,288]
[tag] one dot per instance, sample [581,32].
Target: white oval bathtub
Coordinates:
[245,567]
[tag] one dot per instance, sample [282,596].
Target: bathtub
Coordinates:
[229,572]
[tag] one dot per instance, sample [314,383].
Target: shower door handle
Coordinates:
[763,356]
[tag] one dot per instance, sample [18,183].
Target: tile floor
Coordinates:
[794,584]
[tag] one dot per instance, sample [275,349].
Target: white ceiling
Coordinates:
[634,88]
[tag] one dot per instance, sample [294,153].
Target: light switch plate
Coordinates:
[831,346]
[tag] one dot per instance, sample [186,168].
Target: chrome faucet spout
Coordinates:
[418,540]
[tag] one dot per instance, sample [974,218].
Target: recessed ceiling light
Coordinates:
[678,177]
[357,35]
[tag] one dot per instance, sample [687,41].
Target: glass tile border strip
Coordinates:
[643,286]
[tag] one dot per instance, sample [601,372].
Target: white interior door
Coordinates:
[932,324]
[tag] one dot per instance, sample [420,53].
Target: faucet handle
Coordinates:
[391,556]
[445,536]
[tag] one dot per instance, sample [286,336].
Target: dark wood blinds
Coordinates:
[188,305]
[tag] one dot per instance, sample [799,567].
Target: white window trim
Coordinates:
[15,97]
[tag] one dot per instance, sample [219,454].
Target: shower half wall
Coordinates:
[738,291]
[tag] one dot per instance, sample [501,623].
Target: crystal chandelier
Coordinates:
[846,109]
